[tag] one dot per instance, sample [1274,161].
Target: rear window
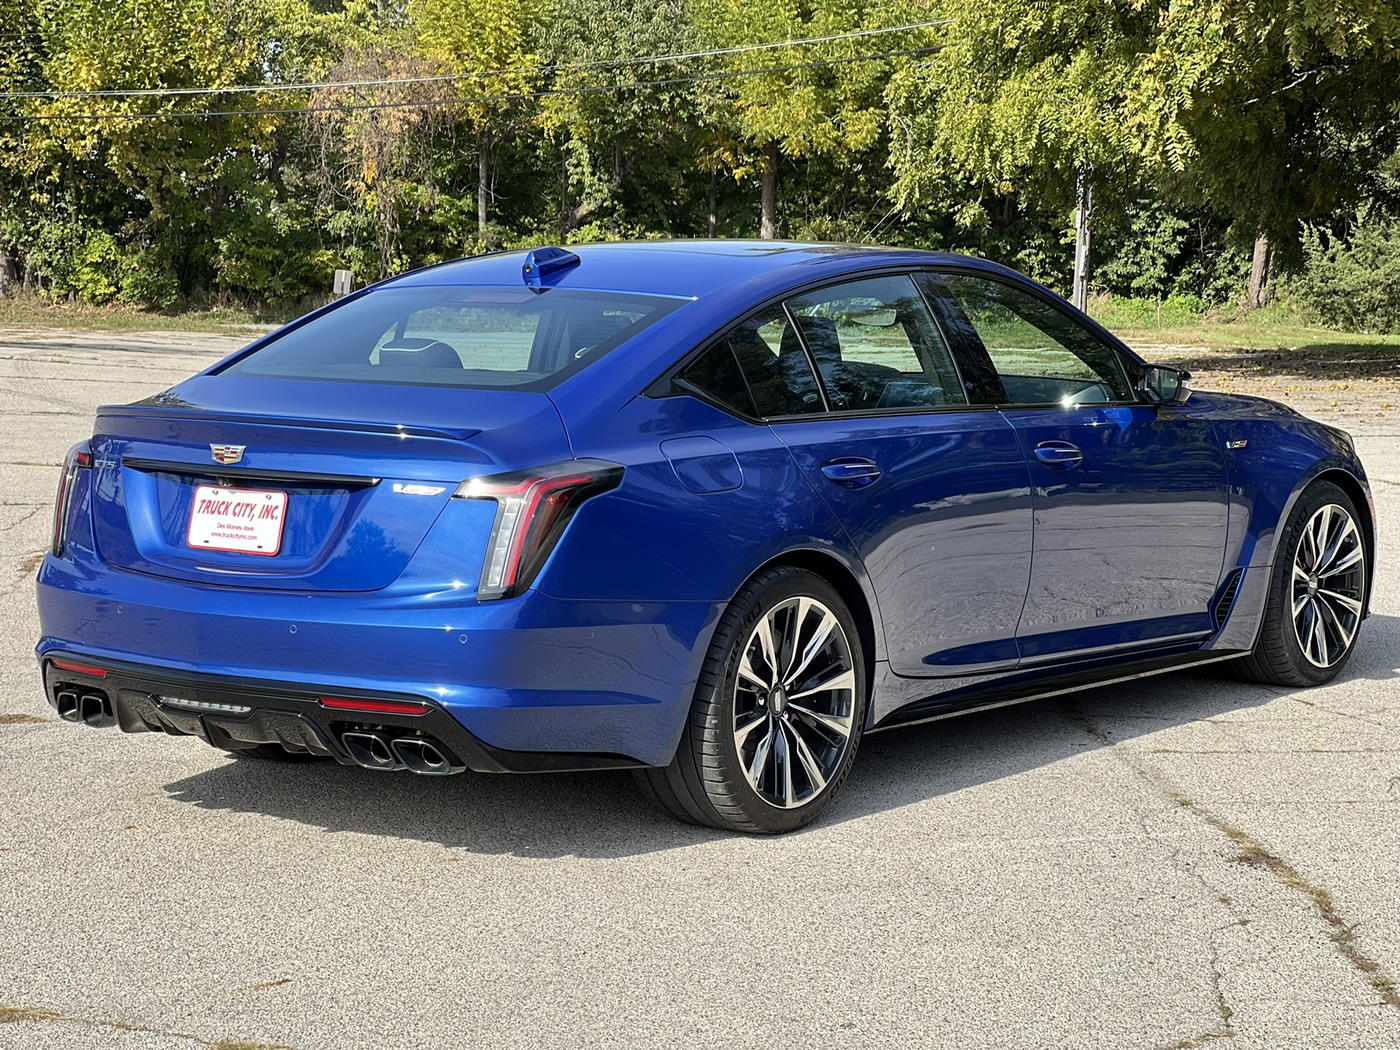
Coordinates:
[470,337]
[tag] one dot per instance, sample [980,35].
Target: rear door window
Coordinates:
[876,346]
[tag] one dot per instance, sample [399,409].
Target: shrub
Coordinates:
[147,280]
[1352,283]
[94,276]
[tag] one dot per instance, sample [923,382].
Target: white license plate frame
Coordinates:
[237,521]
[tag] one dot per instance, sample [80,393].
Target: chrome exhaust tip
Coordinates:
[426,757]
[95,710]
[371,750]
[67,705]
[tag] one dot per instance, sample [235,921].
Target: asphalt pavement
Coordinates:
[1177,862]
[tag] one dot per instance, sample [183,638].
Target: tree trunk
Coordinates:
[563,198]
[1080,297]
[1260,271]
[714,202]
[768,223]
[7,274]
[483,178]
[616,185]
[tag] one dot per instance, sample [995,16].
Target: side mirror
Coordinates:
[1161,385]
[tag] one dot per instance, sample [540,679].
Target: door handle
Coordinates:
[1059,454]
[851,471]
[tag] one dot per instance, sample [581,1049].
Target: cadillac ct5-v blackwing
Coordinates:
[708,510]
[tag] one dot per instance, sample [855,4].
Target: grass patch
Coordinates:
[1278,327]
[16,1014]
[29,311]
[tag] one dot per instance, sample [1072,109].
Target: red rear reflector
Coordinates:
[383,707]
[77,668]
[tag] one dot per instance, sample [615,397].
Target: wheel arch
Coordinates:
[853,591]
[1246,619]
[1361,497]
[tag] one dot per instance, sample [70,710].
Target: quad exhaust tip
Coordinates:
[371,750]
[419,754]
[424,756]
[90,708]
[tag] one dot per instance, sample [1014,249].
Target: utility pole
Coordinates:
[1085,193]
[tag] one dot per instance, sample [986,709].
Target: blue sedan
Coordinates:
[705,510]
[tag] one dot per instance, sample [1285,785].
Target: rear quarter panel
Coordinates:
[654,538]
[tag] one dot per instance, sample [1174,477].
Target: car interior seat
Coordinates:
[419,353]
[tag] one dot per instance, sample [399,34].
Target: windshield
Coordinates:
[469,337]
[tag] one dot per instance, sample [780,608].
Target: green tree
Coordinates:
[1272,111]
[827,109]
[486,42]
[614,125]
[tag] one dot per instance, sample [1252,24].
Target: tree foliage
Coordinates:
[1201,126]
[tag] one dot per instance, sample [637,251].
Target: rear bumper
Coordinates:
[235,714]
[531,674]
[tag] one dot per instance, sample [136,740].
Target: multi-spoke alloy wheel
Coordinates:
[778,710]
[1317,594]
[1329,585]
[793,699]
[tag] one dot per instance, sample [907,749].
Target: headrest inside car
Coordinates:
[420,353]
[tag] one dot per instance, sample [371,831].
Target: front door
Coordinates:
[1130,499]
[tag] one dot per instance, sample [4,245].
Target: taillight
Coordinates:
[79,458]
[533,508]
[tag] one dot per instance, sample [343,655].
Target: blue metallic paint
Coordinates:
[952,499]
[1129,541]
[603,653]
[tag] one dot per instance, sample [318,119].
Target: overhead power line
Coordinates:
[567,67]
[508,97]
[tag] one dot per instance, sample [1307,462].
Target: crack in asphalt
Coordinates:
[33,510]
[1222,1005]
[1255,854]
[41,1015]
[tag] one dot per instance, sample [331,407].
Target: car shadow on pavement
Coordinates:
[1322,361]
[602,815]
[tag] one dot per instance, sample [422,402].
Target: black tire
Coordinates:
[1278,657]
[707,782]
[274,753]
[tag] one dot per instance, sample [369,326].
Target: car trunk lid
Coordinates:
[299,485]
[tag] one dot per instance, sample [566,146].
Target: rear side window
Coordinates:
[469,337]
[765,354]
[877,347]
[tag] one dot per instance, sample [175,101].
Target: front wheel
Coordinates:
[1317,594]
[777,714]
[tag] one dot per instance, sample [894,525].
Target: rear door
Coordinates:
[933,492]
[1130,499]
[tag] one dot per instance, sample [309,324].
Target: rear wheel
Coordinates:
[778,711]
[1316,596]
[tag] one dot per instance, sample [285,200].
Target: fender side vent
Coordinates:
[1227,598]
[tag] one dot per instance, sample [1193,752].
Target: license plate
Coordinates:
[246,521]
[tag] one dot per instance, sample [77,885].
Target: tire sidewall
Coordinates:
[792,583]
[1317,496]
